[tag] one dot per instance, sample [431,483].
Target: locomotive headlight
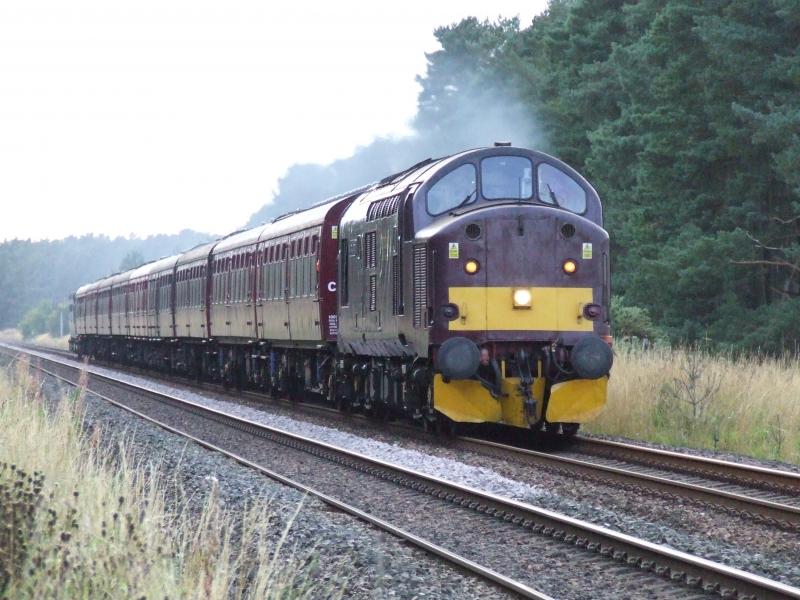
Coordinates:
[522,298]
[472,266]
[569,266]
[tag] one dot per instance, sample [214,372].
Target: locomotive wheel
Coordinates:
[430,424]
[447,427]
[342,403]
[570,429]
[430,420]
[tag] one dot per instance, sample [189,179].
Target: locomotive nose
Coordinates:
[524,268]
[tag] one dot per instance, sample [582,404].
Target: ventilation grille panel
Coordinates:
[397,286]
[370,251]
[420,285]
[385,207]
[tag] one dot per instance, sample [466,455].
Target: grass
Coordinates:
[45,339]
[81,520]
[748,405]
[10,335]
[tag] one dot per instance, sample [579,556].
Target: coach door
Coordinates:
[286,312]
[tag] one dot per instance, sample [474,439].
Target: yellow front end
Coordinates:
[467,401]
[492,309]
[495,309]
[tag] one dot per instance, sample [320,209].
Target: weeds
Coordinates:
[688,397]
[79,519]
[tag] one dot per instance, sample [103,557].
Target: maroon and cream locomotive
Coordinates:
[472,288]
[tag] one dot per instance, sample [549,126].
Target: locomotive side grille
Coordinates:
[420,284]
[370,253]
[373,294]
[397,287]
[378,209]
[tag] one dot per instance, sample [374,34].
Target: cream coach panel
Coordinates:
[232,298]
[190,320]
[119,318]
[159,297]
[302,296]
[272,308]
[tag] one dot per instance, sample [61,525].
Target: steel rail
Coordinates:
[426,545]
[774,513]
[745,474]
[676,565]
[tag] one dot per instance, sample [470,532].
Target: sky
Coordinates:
[143,117]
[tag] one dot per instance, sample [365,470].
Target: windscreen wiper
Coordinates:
[468,199]
[553,196]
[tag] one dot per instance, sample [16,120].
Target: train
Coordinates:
[468,289]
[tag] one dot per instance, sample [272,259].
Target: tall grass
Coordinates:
[79,520]
[10,335]
[45,339]
[748,404]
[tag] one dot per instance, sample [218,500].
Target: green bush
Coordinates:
[44,318]
[628,321]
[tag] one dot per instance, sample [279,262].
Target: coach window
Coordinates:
[455,189]
[558,188]
[506,177]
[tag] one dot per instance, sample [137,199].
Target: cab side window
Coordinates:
[457,188]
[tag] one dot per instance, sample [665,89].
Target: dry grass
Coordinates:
[82,522]
[45,339]
[748,405]
[10,335]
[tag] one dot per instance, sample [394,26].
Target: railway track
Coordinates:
[430,502]
[759,494]
[734,488]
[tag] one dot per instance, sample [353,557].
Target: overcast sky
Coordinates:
[142,117]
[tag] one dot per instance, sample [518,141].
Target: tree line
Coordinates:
[37,278]
[684,114]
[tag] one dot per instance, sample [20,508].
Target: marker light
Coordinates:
[522,298]
[569,266]
[472,266]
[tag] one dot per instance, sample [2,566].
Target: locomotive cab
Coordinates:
[517,291]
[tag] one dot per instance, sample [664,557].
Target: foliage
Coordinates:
[51,270]
[132,259]
[632,320]
[45,317]
[684,114]
[82,519]
[745,403]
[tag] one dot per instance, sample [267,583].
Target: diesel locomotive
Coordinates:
[472,288]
